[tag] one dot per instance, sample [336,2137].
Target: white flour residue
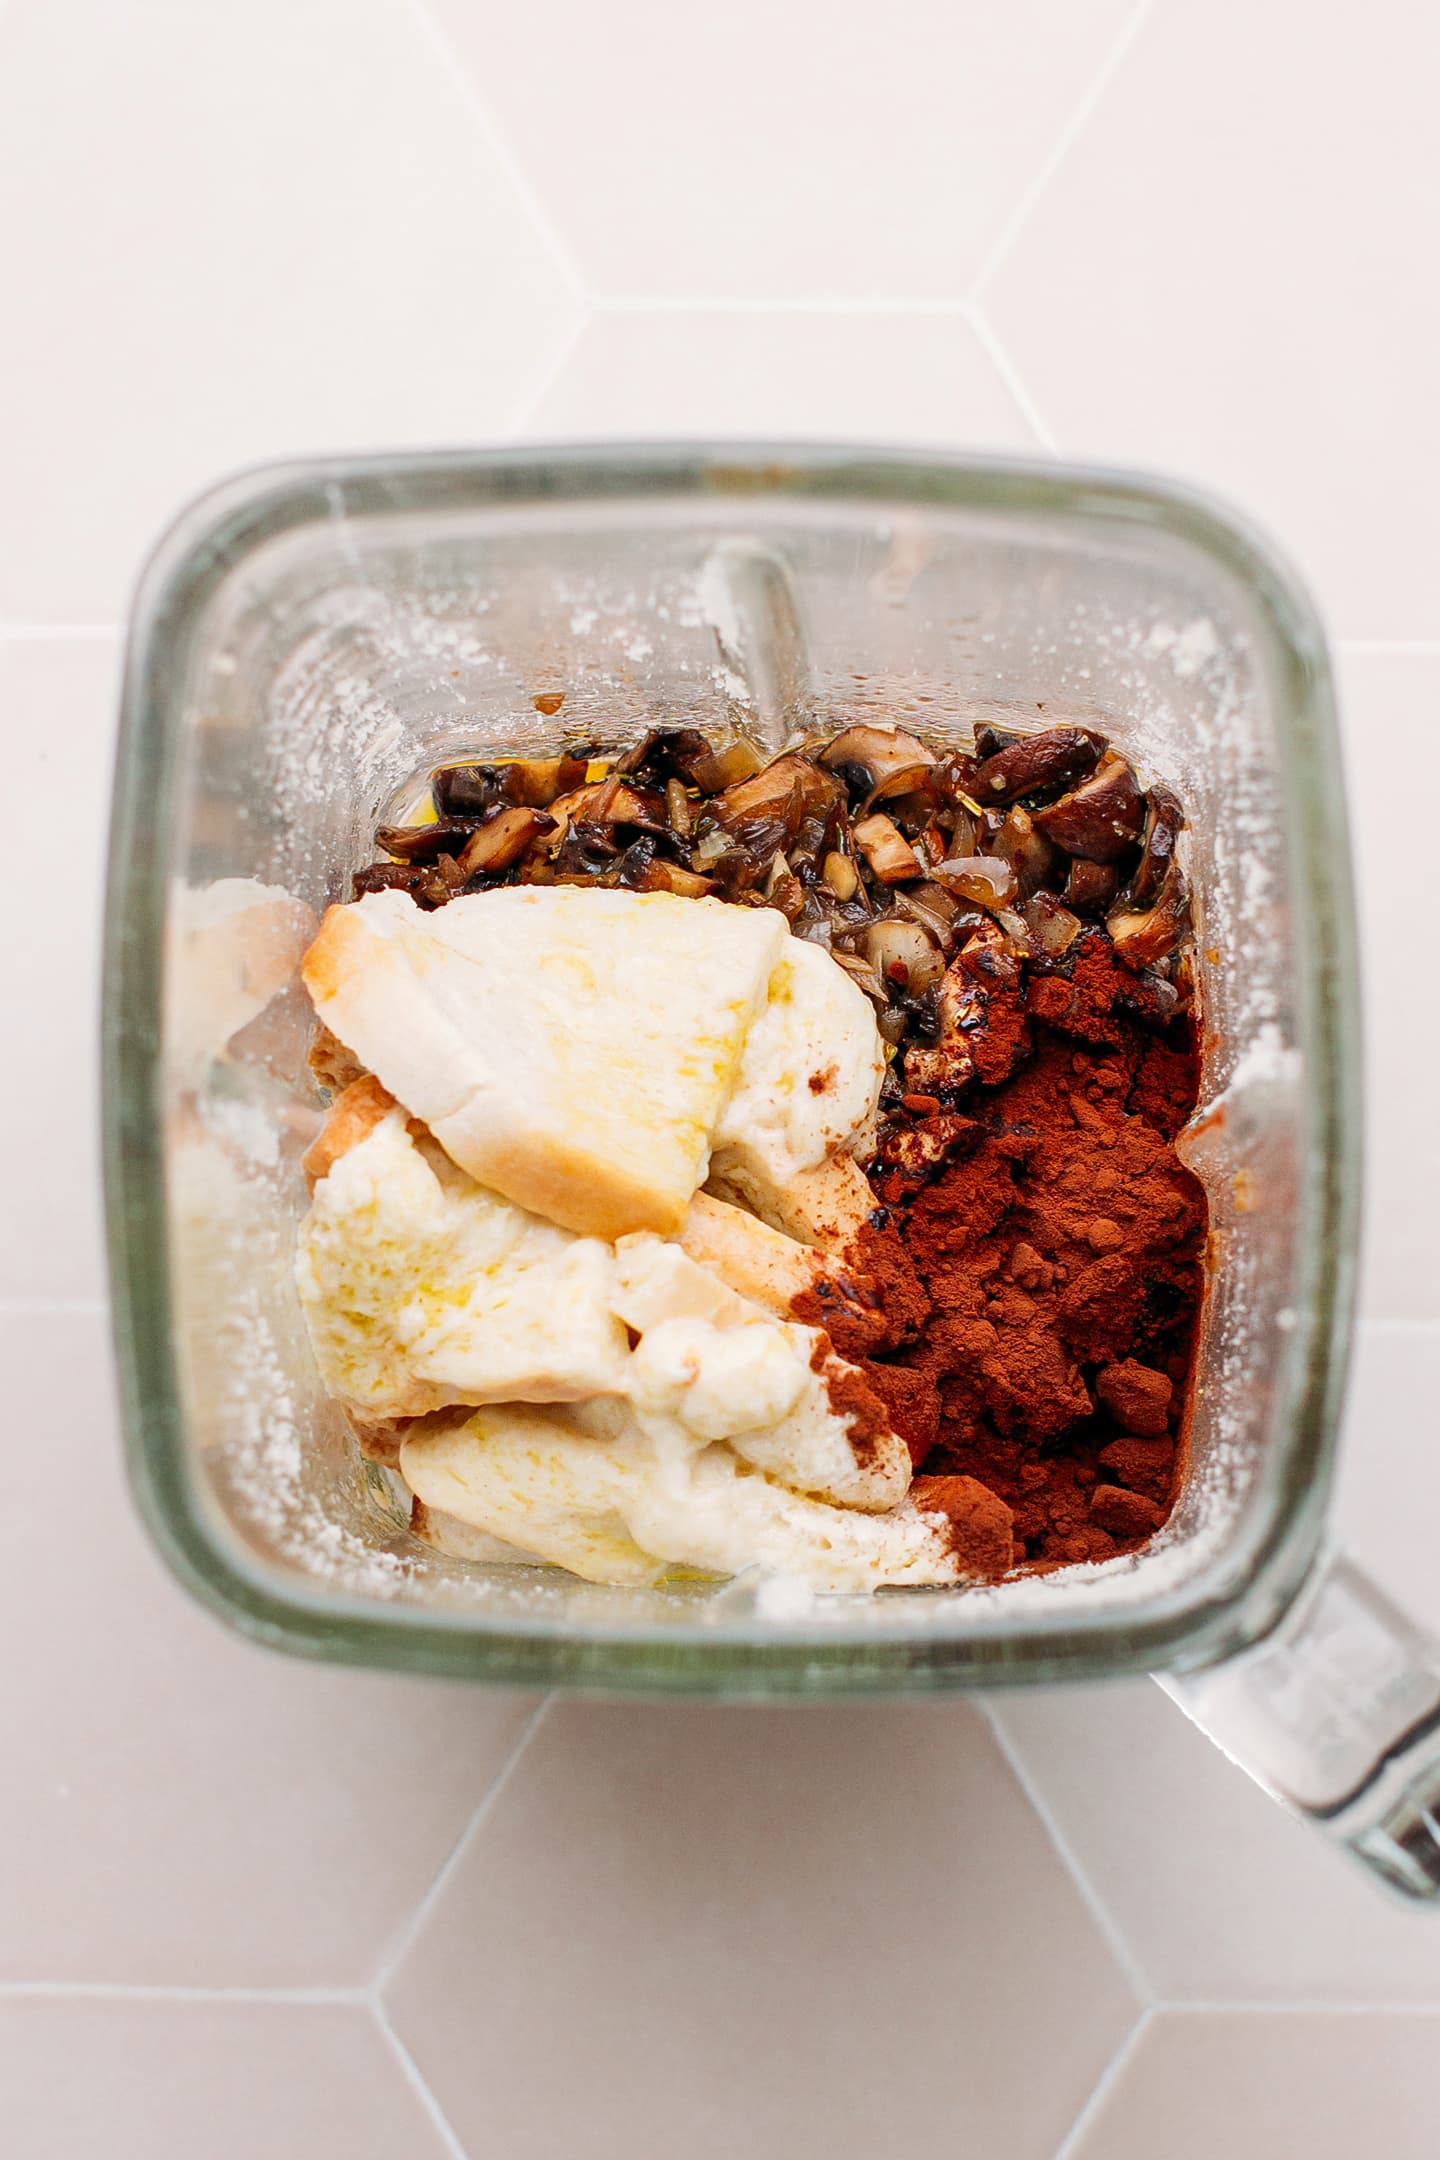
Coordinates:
[1190,649]
[1266,1061]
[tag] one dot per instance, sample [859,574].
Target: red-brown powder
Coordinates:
[852,1398]
[1040,1291]
[981,1529]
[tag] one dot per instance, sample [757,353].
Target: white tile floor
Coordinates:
[233,1912]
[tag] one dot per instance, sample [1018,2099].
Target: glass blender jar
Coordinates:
[309,640]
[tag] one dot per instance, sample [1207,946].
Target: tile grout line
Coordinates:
[1069,135]
[1100,2091]
[499,147]
[1009,374]
[1130,1967]
[374,1996]
[758,304]
[385,1970]
[549,375]
[417,2081]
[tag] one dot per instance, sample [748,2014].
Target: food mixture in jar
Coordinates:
[740,1165]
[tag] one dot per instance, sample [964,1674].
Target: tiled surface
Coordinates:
[234,1915]
[1223,281]
[782,153]
[57,699]
[1219,1896]
[741,1902]
[179,1809]
[898,375]
[171,2080]
[1221,2084]
[1392,729]
[230,236]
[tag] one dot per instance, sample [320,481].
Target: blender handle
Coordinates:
[1337,1715]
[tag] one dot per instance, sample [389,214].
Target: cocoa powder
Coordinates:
[1040,1287]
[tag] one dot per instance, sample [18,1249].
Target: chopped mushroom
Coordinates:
[785,790]
[919,1148]
[611,802]
[954,782]
[501,842]
[1027,850]
[465,791]
[841,875]
[1091,886]
[423,843]
[933,908]
[429,885]
[913,813]
[877,762]
[469,791]
[680,752]
[1030,763]
[639,754]
[1052,928]
[886,849]
[904,954]
[536,782]
[1102,817]
[1162,830]
[585,852]
[387,877]
[950,1062]
[1144,935]
[720,769]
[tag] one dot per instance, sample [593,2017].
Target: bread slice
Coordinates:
[772,1270]
[544,1480]
[809,1080]
[420,1288]
[354,1114]
[571,1048]
[826,1207]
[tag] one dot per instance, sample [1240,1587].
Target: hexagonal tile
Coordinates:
[888,376]
[1219,1894]
[57,724]
[181,1807]
[227,2080]
[1255,2087]
[768,152]
[228,241]
[1388,707]
[824,1932]
[1388,1470]
[1224,276]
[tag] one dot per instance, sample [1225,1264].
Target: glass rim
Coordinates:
[1179,1627]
